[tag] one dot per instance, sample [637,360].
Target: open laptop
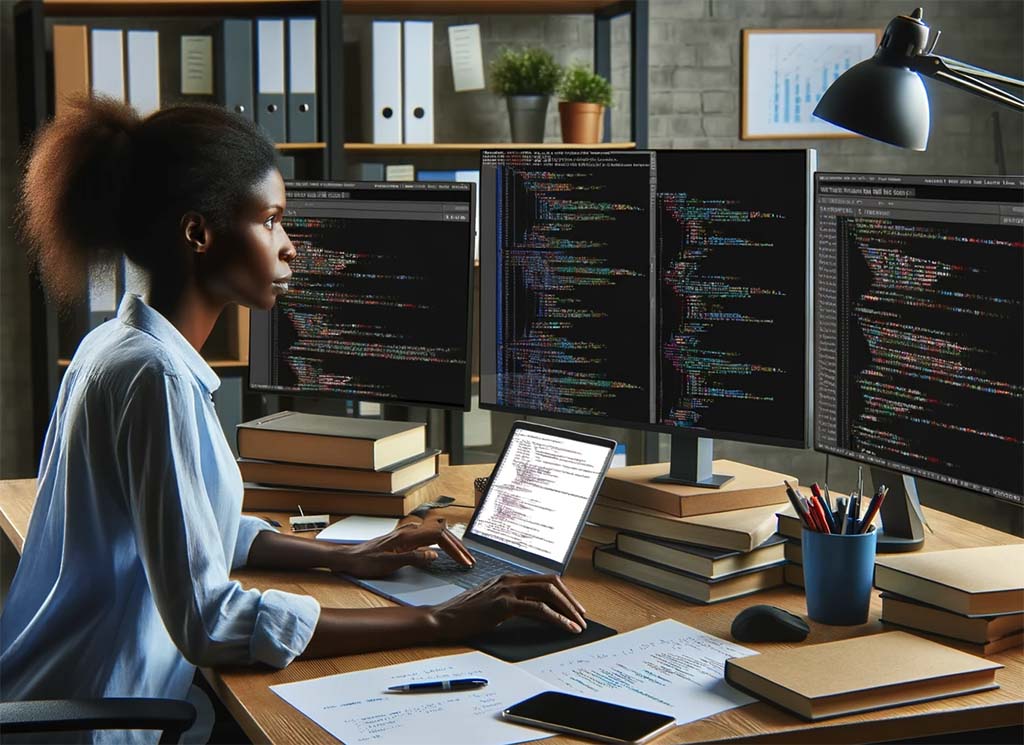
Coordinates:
[528,520]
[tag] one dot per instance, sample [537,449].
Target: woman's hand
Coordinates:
[405,545]
[544,597]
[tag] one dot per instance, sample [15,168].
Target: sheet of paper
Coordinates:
[354,707]
[467,57]
[197,65]
[667,667]
[357,528]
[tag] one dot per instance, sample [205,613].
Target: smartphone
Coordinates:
[587,717]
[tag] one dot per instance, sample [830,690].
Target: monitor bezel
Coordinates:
[460,186]
[869,460]
[810,165]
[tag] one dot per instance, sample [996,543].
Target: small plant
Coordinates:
[581,85]
[528,72]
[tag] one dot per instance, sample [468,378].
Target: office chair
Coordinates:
[171,716]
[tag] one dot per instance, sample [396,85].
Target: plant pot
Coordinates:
[527,115]
[582,123]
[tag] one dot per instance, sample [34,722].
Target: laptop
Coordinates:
[528,521]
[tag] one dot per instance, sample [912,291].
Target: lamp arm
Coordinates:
[979,72]
[938,68]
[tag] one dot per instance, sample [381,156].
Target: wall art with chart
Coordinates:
[786,71]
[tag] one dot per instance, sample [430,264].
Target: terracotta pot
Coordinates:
[582,123]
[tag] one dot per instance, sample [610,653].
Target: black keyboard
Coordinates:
[486,567]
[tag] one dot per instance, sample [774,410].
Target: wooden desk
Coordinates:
[624,606]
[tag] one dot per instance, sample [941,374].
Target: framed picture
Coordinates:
[786,71]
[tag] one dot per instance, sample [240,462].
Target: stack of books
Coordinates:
[703,545]
[972,598]
[336,465]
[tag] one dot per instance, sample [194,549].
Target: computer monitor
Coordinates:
[379,306]
[919,332]
[661,290]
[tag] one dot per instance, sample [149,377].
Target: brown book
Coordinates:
[387,480]
[794,551]
[348,442]
[70,64]
[978,630]
[333,502]
[819,681]
[683,584]
[1010,641]
[740,530]
[970,581]
[790,525]
[794,574]
[598,534]
[750,487]
[710,563]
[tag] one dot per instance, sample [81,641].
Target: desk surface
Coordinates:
[624,606]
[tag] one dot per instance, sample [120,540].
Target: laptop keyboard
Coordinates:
[486,568]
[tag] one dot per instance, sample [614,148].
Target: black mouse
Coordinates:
[766,623]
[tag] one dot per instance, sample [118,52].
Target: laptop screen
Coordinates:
[540,493]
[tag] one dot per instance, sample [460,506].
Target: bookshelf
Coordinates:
[54,342]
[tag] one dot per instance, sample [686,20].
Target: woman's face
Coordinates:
[249,265]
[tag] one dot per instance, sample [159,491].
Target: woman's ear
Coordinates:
[196,232]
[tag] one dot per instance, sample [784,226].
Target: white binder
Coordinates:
[387,81]
[144,71]
[418,61]
[107,46]
[270,97]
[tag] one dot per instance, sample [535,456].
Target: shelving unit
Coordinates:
[33,19]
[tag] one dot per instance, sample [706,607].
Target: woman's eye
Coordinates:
[269,224]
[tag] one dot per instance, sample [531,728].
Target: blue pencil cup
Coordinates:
[839,572]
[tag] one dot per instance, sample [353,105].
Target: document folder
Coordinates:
[144,71]
[236,67]
[418,61]
[108,63]
[270,95]
[302,80]
[387,81]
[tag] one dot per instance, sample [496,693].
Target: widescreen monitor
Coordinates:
[379,305]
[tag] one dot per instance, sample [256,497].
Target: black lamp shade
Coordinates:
[881,101]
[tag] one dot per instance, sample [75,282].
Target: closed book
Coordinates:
[970,581]
[979,630]
[794,575]
[819,681]
[387,480]
[739,530]
[710,563]
[1010,641]
[749,487]
[684,584]
[789,524]
[334,501]
[295,437]
[794,551]
[598,534]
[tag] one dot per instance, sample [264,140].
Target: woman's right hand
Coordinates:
[544,597]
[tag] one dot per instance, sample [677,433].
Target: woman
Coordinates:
[123,587]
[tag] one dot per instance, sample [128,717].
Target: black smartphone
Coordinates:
[587,717]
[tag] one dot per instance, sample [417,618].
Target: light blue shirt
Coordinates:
[123,584]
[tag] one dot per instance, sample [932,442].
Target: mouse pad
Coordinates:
[519,639]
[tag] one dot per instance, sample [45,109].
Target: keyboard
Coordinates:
[486,567]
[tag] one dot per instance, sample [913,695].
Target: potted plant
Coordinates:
[585,95]
[527,79]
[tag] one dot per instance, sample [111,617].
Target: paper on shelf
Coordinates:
[354,707]
[667,667]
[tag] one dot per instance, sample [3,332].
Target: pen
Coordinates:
[826,508]
[873,507]
[795,500]
[854,513]
[841,506]
[860,481]
[459,684]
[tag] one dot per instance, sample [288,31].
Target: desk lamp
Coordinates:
[884,97]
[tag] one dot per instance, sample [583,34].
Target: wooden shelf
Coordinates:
[473,7]
[454,147]
[175,7]
[300,145]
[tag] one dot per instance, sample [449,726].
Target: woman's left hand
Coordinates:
[407,545]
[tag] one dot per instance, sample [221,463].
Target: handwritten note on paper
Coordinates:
[467,57]
[355,708]
[666,667]
[197,65]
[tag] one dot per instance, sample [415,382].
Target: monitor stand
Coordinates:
[691,463]
[902,519]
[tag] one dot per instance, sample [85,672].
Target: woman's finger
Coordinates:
[537,609]
[557,581]
[552,595]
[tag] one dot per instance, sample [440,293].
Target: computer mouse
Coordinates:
[766,623]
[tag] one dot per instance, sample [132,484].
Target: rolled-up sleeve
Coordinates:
[249,527]
[211,618]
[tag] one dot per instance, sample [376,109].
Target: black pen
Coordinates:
[460,684]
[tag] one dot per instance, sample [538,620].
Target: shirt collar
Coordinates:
[134,312]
